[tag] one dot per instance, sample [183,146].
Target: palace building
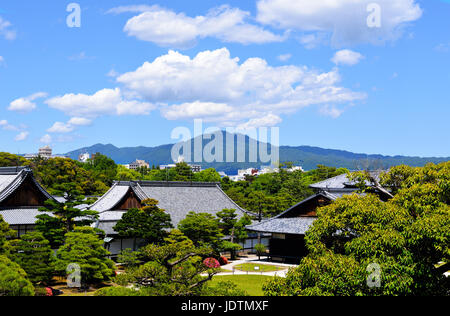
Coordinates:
[176,198]
[288,229]
[20,198]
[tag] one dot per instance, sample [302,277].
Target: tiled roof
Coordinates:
[110,198]
[19,216]
[294,225]
[340,182]
[176,198]
[178,201]
[12,177]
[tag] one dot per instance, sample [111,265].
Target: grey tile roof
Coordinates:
[295,225]
[340,182]
[176,198]
[107,227]
[19,216]
[110,198]
[178,201]
[11,179]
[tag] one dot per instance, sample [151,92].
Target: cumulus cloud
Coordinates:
[21,136]
[347,57]
[218,88]
[60,127]
[344,20]
[26,104]
[170,29]
[266,121]
[4,125]
[46,139]
[103,102]
[5,29]
[284,57]
[331,111]
[79,121]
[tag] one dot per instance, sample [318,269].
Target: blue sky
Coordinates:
[134,71]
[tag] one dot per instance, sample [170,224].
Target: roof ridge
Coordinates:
[316,185]
[18,179]
[103,196]
[144,183]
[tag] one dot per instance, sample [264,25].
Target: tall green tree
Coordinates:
[5,233]
[404,241]
[10,160]
[173,269]
[84,247]
[64,216]
[34,254]
[150,223]
[103,168]
[13,281]
[54,172]
[202,228]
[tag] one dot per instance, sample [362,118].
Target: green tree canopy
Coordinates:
[202,228]
[34,254]
[408,237]
[10,160]
[5,233]
[13,281]
[150,223]
[85,248]
[64,216]
[173,269]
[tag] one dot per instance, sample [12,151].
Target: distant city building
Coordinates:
[194,168]
[84,157]
[45,152]
[264,170]
[138,164]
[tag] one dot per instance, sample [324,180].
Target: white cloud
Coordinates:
[103,102]
[2,60]
[6,126]
[6,31]
[79,121]
[21,136]
[132,8]
[266,121]
[344,20]
[60,127]
[26,104]
[284,57]
[216,87]
[170,29]
[332,111]
[347,57]
[46,139]
[196,109]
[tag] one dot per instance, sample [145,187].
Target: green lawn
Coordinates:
[250,267]
[252,284]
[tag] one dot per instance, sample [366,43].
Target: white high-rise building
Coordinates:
[45,152]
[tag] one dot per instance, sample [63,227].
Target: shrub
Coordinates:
[223,261]
[211,263]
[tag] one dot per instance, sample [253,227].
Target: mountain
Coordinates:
[306,156]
